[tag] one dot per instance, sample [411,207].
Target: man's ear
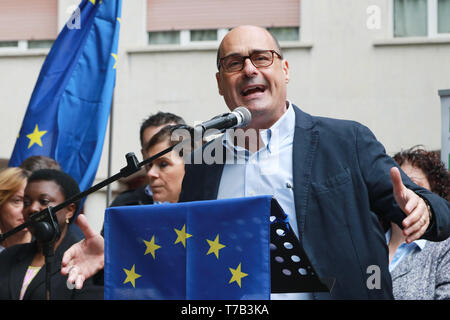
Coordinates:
[219,85]
[285,66]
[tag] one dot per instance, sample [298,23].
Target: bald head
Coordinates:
[262,88]
[246,28]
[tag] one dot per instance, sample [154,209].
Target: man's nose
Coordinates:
[249,69]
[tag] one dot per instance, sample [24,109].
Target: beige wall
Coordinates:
[341,68]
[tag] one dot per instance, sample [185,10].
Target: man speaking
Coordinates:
[333,177]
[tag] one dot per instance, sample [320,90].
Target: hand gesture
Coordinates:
[418,214]
[85,258]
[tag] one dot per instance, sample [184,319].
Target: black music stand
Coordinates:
[290,269]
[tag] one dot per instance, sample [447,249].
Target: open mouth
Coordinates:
[253,89]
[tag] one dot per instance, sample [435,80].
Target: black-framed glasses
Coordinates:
[235,62]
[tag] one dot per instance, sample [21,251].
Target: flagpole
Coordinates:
[111,118]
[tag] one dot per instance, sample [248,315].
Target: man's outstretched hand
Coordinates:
[415,208]
[85,258]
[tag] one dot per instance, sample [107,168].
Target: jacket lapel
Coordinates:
[23,260]
[305,145]
[39,279]
[213,174]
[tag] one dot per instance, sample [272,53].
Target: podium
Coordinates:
[228,249]
[290,269]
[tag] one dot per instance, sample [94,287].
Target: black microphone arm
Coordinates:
[238,118]
[46,215]
[45,223]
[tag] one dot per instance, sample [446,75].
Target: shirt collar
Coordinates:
[419,243]
[148,191]
[279,133]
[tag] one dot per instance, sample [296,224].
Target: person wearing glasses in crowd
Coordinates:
[333,177]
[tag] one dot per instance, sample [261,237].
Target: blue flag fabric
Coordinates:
[68,112]
[199,250]
[137,239]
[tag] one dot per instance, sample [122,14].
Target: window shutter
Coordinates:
[28,19]
[217,14]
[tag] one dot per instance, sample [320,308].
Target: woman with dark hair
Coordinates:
[420,270]
[166,172]
[433,175]
[22,267]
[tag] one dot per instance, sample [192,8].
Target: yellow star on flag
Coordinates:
[182,236]
[237,275]
[114,55]
[215,246]
[131,276]
[151,247]
[35,137]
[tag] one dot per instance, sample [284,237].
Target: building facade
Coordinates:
[379,62]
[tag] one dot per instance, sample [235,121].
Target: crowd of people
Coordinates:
[350,204]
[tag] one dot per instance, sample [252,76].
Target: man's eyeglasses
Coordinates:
[259,59]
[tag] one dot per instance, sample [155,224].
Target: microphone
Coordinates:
[240,117]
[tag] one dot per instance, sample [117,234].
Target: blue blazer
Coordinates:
[341,188]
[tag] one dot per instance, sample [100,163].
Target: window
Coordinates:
[34,44]
[185,37]
[26,44]
[164,37]
[443,10]
[28,20]
[421,18]
[9,44]
[285,33]
[204,21]
[203,35]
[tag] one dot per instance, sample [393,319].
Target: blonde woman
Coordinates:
[12,186]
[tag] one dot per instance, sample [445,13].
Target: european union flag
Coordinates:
[144,256]
[198,250]
[68,112]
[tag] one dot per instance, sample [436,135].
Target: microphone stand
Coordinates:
[46,228]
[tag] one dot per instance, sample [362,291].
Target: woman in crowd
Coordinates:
[12,186]
[420,270]
[166,176]
[22,270]
[166,172]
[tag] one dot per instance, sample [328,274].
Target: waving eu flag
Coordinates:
[197,250]
[68,112]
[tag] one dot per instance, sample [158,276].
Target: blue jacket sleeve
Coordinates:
[375,166]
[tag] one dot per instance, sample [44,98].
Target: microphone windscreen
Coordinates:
[245,114]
